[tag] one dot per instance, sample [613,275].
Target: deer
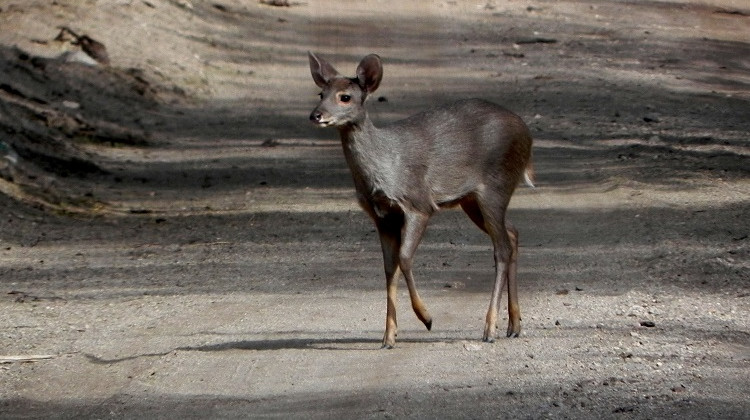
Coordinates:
[470,154]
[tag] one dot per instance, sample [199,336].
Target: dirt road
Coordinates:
[214,264]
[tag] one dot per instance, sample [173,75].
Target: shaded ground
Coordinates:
[180,242]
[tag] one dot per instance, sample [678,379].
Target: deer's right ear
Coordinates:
[322,72]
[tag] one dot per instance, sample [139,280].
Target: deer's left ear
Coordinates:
[370,73]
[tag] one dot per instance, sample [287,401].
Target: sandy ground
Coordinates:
[203,256]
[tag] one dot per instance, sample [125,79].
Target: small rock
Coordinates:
[648,324]
[71,104]
[185,4]
[628,409]
[468,346]
[9,153]
[78,57]
[680,388]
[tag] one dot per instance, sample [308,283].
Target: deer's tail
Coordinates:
[528,174]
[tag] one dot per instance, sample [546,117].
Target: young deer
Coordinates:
[470,153]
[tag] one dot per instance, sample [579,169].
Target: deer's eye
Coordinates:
[345,98]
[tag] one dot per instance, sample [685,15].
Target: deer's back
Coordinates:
[453,149]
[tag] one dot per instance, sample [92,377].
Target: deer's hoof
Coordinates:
[513,330]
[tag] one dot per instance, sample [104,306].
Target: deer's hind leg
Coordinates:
[488,213]
[416,224]
[470,206]
[514,310]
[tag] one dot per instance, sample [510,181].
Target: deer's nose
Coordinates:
[316,116]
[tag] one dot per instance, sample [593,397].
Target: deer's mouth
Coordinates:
[324,123]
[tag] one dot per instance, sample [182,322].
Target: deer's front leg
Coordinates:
[391,325]
[389,229]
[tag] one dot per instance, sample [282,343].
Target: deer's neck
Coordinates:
[373,158]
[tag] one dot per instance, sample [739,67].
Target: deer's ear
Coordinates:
[370,73]
[322,72]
